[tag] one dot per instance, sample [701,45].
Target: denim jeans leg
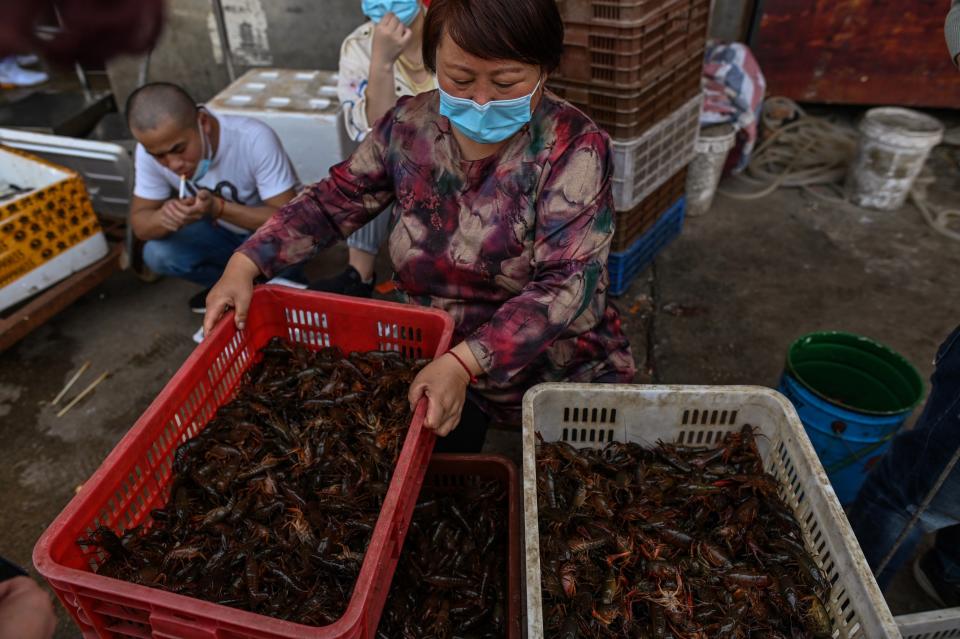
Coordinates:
[197,252]
[898,484]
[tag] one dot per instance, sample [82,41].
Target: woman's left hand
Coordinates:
[444,383]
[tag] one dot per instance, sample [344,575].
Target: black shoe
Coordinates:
[929,576]
[348,282]
[198,303]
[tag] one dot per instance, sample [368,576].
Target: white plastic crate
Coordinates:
[301,107]
[591,415]
[933,624]
[640,166]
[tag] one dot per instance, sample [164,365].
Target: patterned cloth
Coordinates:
[514,247]
[734,94]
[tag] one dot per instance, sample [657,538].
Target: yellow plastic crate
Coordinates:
[47,232]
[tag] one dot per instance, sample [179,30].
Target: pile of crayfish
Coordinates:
[672,542]
[451,580]
[273,504]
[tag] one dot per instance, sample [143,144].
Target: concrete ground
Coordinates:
[720,306]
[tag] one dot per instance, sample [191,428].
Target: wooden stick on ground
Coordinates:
[86,391]
[73,380]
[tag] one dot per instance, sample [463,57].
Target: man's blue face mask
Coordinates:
[487,123]
[405,10]
[206,152]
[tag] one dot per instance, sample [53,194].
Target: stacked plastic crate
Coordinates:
[634,67]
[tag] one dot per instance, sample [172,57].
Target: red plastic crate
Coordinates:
[628,56]
[610,11]
[633,223]
[449,473]
[628,114]
[135,477]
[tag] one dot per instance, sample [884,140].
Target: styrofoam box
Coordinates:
[301,106]
[932,624]
[106,168]
[591,415]
[640,166]
[47,233]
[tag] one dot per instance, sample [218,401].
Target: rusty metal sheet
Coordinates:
[857,52]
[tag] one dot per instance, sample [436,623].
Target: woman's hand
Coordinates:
[390,36]
[233,290]
[444,383]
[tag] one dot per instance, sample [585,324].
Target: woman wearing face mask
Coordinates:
[379,62]
[502,217]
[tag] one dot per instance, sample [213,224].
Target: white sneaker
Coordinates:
[12,74]
[27,59]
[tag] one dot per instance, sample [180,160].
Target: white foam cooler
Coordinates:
[301,106]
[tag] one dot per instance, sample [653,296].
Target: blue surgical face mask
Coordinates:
[487,123]
[207,153]
[405,10]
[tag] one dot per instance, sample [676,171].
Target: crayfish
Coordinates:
[675,541]
[271,506]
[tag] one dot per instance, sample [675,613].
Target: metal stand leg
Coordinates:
[224,42]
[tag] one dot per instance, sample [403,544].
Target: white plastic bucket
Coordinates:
[705,170]
[894,144]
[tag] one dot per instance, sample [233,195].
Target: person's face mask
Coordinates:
[206,152]
[487,123]
[405,10]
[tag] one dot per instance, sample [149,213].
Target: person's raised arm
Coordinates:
[390,36]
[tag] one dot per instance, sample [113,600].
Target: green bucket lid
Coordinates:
[855,372]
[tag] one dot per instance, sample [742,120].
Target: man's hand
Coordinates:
[390,36]
[174,214]
[444,383]
[204,204]
[233,290]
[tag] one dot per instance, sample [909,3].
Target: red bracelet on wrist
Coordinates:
[473,378]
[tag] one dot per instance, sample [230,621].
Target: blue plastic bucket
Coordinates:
[852,394]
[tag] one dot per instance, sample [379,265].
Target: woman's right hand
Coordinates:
[390,36]
[233,290]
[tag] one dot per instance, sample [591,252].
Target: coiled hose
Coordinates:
[813,154]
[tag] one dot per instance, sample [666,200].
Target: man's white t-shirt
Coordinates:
[250,166]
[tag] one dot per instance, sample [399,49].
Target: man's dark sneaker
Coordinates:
[348,282]
[198,303]
[929,575]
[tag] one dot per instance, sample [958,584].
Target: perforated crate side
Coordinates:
[642,165]
[590,415]
[631,224]
[449,473]
[624,267]
[931,624]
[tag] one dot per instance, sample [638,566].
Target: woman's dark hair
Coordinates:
[528,31]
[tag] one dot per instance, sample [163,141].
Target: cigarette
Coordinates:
[183,186]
